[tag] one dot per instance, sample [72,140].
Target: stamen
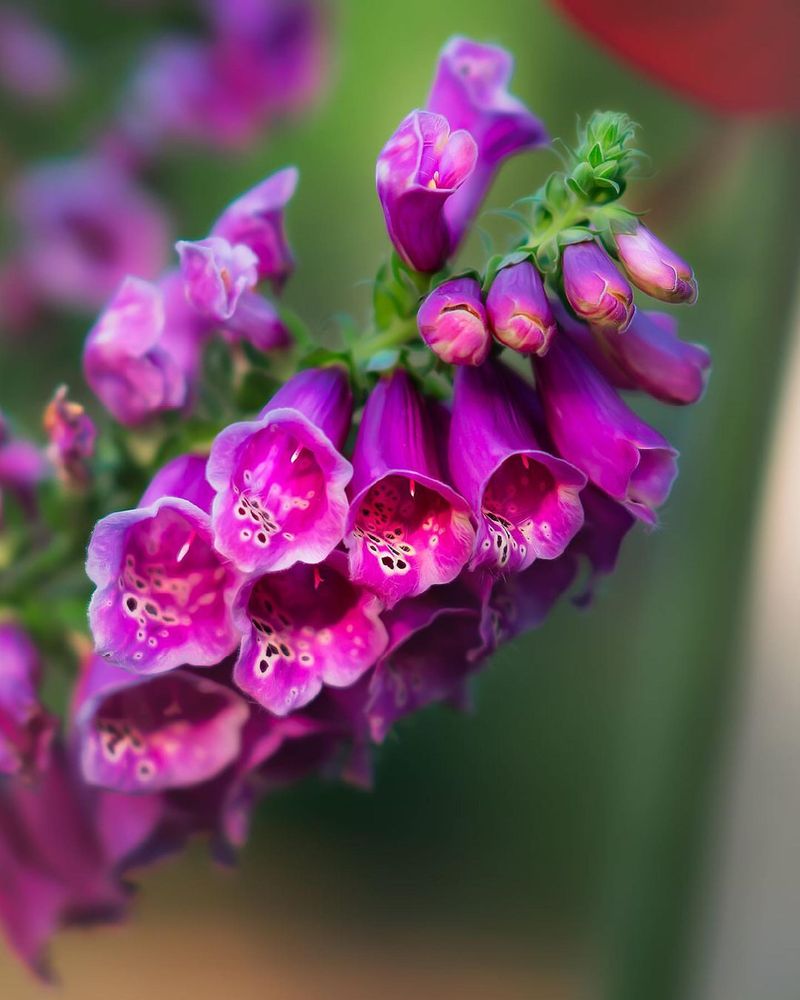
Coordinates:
[296,454]
[317,577]
[525,461]
[185,547]
[412,487]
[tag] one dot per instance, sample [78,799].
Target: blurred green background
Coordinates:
[554,843]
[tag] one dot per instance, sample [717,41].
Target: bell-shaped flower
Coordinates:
[215,274]
[26,729]
[303,628]
[419,169]
[452,322]
[594,429]
[407,529]
[280,480]
[519,313]
[72,435]
[653,267]
[525,501]
[148,734]
[594,288]
[470,89]
[163,592]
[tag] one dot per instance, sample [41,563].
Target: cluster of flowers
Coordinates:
[357,550]
[86,222]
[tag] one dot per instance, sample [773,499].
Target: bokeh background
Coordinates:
[572,837]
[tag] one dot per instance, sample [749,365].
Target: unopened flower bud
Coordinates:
[452,322]
[654,268]
[594,288]
[519,313]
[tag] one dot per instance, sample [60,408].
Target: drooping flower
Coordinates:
[407,529]
[84,226]
[26,729]
[594,429]
[302,628]
[452,322]
[525,501]
[470,89]
[163,592]
[72,434]
[419,169]
[519,312]
[280,480]
[594,287]
[147,734]
[653,267]
[215,274]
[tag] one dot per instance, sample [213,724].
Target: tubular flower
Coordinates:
[594,287]
[72,436]
[302,628]
[26,729]
[598,433]
[163,592]
[280,480]
[525,501]
[655,268]
[407,528]
[419,169]
[452,322]
[215,274]
[519,313]
[149,734]
[470,89]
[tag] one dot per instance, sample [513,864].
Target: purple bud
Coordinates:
[215,274]
[302,628]
[407,529]
[470,90]
[280,480]
[655,268]
[26,730]
[596,431]
[452,322]
[256,219]
[163,593]
[519,312]
[418,171]
[594,287]
[72,436]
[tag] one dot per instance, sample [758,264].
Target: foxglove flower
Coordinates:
[34,63]
[22,468]
[470,90]
[525,501]
[519,313]
[72,436]
[605,526]
[419,169]
[452,322]
[594,287]
[26,729]
[655,268]
[408,529]
[256,219]
[519,602]
[280,480]
[215,274]
[139,734]
[163,592]
[435,644]
[302,628]
[84,227]
[596,431]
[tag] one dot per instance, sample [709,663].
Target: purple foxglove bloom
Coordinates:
[471,90]
[655,268]
[452,322]
[256,219]
[600,539]
[26,730]
[129,360]
[520,602]
[137,734]
[519,313]
[85,226]
[302,628]
[419,169]
[407,528]
[72,436]
[215,274]
[33,61]
[594,287]
[163,592]
[280,480]
[435,644]
[598,433]
[526,502]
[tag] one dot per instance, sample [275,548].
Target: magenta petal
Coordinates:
[598,433]
[26,729]
[215,274]
[594,287]
[407,528]
[184,477]
[163,593]
[526,501]
[302,628]
[146,734]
